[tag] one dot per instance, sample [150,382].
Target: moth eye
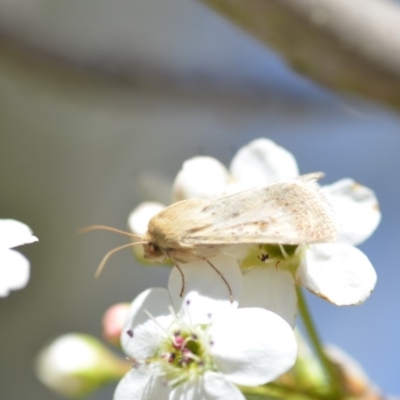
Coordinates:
[154,249]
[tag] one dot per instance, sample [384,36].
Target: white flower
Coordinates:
[201,350]
[337,272]
[14,267]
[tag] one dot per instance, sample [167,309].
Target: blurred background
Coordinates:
[101,102]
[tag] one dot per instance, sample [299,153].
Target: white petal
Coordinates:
[210,386]
[14,233]
[337,272]
[144,341]
[200,177]
[356,209]
[14,271]
[156,301]
[261,162]
[138,221]
[253,346]
[139,218]
[206,294]
[137,384]
[272,289]
[141,335]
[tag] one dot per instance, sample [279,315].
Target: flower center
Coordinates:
[283,257]
[185,354]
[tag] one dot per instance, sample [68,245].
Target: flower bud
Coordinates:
[76,365]
[113,322]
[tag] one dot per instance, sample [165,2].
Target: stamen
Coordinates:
[283,251]
[176,319]
[157,323]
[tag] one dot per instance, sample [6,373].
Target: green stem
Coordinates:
[274,390]
[328,368]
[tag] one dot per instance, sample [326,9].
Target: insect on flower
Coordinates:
[292,212]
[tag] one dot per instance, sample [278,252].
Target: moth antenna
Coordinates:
[222,277]
[108,228]
[109,254]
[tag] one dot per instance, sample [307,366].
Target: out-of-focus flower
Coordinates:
[113,322]
[354,380]
[14,267]
[308,377]
[201,350]
[76,365]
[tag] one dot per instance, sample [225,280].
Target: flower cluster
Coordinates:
[338,272]
[197,346]
[224,326]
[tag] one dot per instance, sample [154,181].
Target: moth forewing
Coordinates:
[286,212]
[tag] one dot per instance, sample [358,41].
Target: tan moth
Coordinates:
[292,212]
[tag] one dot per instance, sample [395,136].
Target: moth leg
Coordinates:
[183,278]
[222,277]
[180,271]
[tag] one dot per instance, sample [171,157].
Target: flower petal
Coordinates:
[14,233]
[211,386]
[200,177]
[155,301]
[139,218]
[141,335]
[253,346]
[262,162]
[144,342]
[14,271]
[206,295]
[337,272]
[272,289]
[138,384]
[138,221]
[356,208]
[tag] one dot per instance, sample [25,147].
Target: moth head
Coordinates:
[152,251]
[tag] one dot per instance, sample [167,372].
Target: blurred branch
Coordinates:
[44,72]
[351,46]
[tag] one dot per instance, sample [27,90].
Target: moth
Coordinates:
[291,212]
